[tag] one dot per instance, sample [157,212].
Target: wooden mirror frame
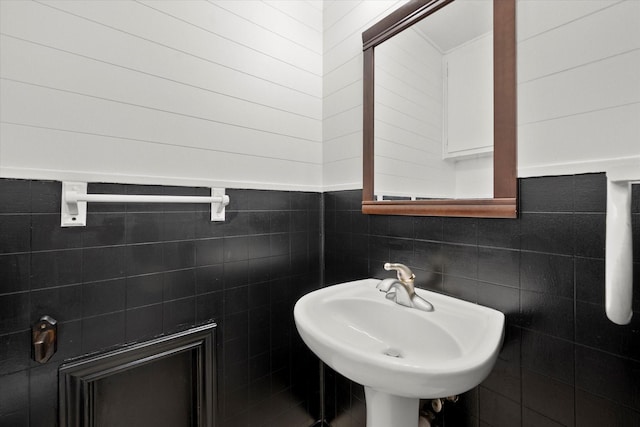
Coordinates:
[505,181]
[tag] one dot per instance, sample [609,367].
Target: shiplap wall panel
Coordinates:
[78,156]
[304,12]
[579,85]
[196,83]
[61,32]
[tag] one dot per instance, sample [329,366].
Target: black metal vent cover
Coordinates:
[168,381]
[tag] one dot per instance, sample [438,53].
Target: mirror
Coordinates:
[439,130]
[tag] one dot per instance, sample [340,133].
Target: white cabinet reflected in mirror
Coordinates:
[434,106]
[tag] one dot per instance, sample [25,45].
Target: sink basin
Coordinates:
[399,354]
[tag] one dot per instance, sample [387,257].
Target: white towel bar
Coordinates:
[75,199]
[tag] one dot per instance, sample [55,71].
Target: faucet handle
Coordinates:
[405,275]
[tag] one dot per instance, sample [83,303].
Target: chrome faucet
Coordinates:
[402,290]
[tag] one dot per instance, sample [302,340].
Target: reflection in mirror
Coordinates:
[434,106]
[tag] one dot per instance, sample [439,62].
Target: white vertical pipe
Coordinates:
[619,253]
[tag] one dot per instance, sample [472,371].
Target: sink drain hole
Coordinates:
[392,352]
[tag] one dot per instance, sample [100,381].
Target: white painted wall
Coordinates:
[174,92]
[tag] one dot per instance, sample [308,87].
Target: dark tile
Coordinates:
[69,341]
[143,322]
[178,225]
[606,375]
[103,263]
[498,410]
[14,395]
[428,228]
[15,312]
[401,226]
[590,280]
[204,227]
[179,284]
[548,356]
[62,303]
[547,194]
[144,227]
[179,314]
[236,248]
[635,198]
[300,221]
[46,196]
[635,233]
[56,268]
[279,221]
[279,244]
[209,251]
[15,270]
[343,221]
[348,200]
[504,379]
[103,331]
[547,313]
[15,196]
[104,229]
[236,274]
[549,397]
[401,251]
[260,294]
[501,233]
[43,399]
[590,193]
[236,300]
[594,411]
[461,261]
[103,297]
[590,234]
[143,259]
[236,224]
[465,289]
[531,418]
[551,233]
[15,233]
[379,225]
[501,298]
[209,279]
[47,234]
[427,256]
[209,306]
[15,352]
[460,230]
[552,274]
[594,329]
[235,325]
[177,255]
[499,266]
[258,246]
[259,222]
[144,290]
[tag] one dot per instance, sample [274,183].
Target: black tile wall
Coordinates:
[141,270]
[563,362]
[146,270]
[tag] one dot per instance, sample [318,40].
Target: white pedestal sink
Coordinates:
[399,354]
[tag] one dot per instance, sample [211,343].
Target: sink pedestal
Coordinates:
[384,410]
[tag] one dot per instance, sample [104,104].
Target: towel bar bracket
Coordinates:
[75,198]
